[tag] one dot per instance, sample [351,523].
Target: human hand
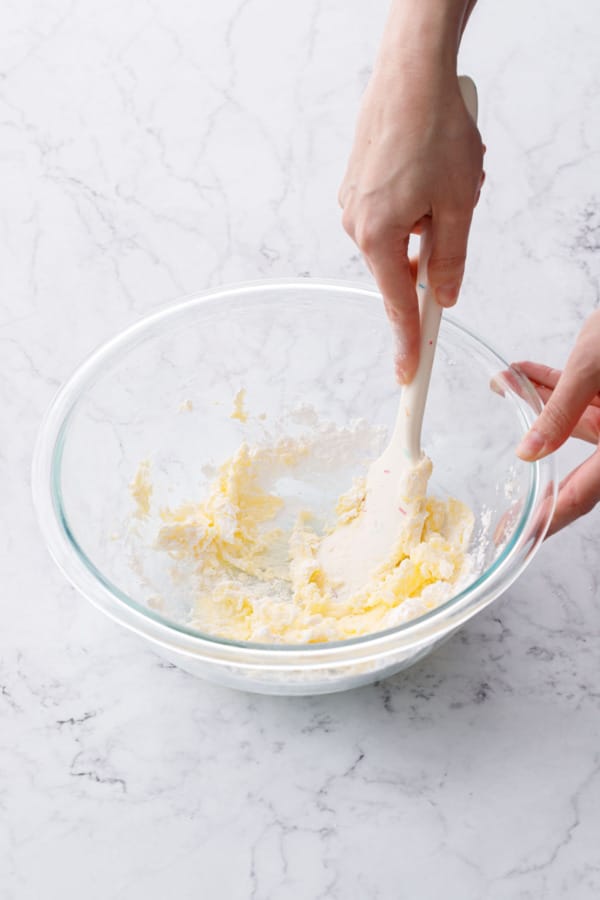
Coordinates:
[572,399]
[417,161]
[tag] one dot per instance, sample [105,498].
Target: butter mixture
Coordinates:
[252,556]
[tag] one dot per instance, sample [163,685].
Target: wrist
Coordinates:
[423,36]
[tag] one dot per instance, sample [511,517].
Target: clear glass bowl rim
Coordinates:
[87,578]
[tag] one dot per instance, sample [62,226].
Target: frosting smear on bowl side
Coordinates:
[252,557]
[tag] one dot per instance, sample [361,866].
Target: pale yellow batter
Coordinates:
[141,490]
[239,408]
[254,580]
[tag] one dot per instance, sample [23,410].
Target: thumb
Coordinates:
[450,234]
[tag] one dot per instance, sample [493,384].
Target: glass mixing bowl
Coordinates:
[163,390]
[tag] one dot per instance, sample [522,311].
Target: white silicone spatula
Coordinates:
[393,509]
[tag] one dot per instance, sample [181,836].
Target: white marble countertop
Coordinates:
[154,148]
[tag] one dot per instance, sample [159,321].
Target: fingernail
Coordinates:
[532,446]
[401,373]
[402,364]
[447,294]
[496,386]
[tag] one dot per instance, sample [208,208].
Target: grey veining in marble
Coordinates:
[155,148]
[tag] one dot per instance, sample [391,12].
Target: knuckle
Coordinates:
[548,373]
[348,221]
[456,215]
[345,192]
[369,233]
[404,319]
[557,423]
[395,314]
[441,266]
[446,261]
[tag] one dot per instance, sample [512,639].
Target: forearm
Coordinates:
[424,34]
[416,163]
[467,15]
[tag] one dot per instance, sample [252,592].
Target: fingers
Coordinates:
[388,260]
[448,255]
[572,407]
[575,389]
[588,427]
[578,493]
[539,373]
[546,377]
[385,248]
